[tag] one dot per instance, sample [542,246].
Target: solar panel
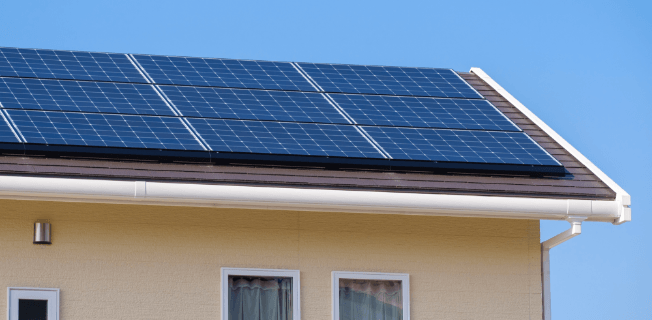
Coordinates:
[229,73]
[460,146]
[423,112]
[103,130]
[83,96]
[6,132]
[57,64]
[426,82]
[285,138]
[225,103]
[63,101]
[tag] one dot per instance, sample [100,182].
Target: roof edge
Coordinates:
[141,192]
[623,199]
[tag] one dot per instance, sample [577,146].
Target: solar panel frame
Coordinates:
[104,130]
[461,146]
[82,96]
[425,112]
[387,80]
[71,65]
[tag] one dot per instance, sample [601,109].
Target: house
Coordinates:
[155,187]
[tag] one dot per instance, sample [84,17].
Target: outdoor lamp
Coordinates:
[42,233]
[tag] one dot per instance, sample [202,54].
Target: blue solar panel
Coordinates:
[57,64]
[425,82]
[84,96]
[224,73]
[256,110]
[285,138]
[104,130]
[6,133]
[423,112]
[460,146]
[222,103]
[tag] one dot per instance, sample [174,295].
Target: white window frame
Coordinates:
[403,277]
[49,294]
[294,274]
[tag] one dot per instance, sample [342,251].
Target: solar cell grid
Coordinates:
[224,73]
[225,103]
[56,64]
[98,97]
[103,130]
[389,80]
[284,138]
[460,146]
[423,112]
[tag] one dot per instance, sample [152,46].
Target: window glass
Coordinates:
[32,309]
[370,299]
[260,298]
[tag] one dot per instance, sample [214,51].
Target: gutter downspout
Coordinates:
[574,230]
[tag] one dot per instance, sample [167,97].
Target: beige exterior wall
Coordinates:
[148,262]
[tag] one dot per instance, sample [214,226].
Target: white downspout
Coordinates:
[574,230]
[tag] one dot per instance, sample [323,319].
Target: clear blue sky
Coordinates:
[584,67]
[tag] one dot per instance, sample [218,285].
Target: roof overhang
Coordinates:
[145,192]
[302,199]
[623,200]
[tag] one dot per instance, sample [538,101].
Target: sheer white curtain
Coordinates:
[260,298]
[371,300]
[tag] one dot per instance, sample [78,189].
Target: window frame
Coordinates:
[16,293]
[296,285]
[335,290]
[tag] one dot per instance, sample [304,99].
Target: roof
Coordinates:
[581,184]
[184,131]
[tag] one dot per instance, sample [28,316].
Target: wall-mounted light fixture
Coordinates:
[42,232]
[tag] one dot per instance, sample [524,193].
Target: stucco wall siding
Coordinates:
[148,262]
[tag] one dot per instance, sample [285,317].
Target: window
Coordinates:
[371,296]
[260,294]
[33,304]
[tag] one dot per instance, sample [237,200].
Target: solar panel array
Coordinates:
[257,109]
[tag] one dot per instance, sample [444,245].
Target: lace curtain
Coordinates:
[370,300]
[260,298]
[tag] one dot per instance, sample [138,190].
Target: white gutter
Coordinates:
[574,230]
[279,198]
[623,200]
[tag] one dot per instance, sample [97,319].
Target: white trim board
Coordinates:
[622,197]
[296,286]
[49,294]
[335,287]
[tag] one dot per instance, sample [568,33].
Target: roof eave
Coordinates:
[623,199]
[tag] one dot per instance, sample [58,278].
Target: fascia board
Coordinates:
[299,199]
[622,197]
